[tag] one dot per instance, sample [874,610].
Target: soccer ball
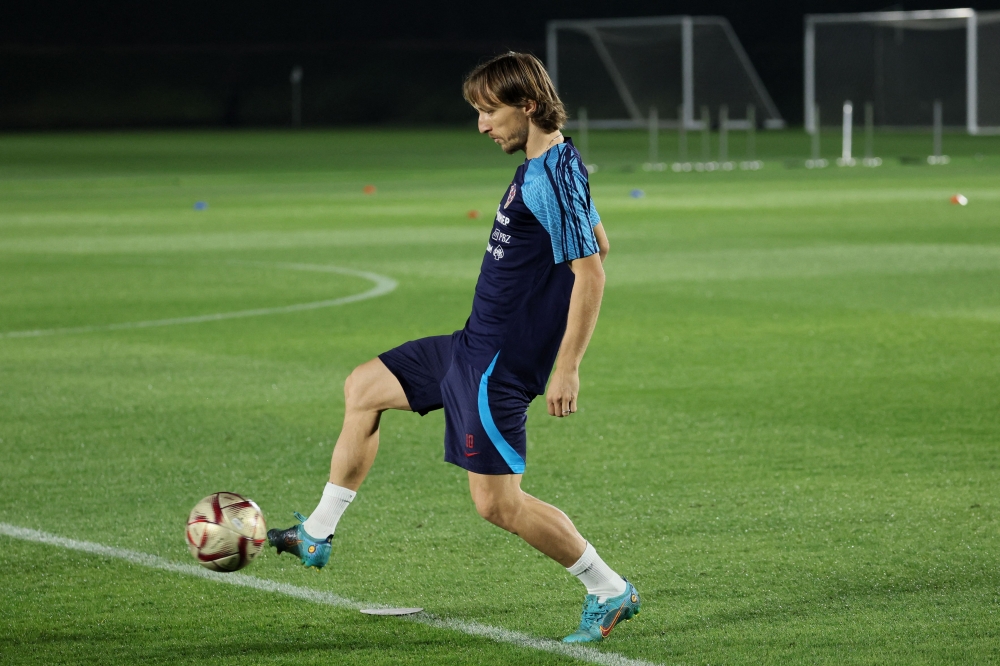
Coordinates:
[225,531]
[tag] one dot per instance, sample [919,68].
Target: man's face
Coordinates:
[507,126]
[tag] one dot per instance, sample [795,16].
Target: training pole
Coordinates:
[816,161]
[751,133]
[815,135]
[938,132]
[846,136]
[938,157]
[706,135]
[682,136]
[870,159]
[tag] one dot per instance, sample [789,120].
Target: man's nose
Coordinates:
[484,125]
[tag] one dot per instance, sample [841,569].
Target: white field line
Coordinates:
[497,634]
[383,285]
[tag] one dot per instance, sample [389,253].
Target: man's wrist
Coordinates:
[568,367]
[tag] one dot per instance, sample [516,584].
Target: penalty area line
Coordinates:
[497,634]
[383,285]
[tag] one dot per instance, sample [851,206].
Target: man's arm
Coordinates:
[602,241]
[584,306]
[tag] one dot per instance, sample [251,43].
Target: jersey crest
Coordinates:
[510,197]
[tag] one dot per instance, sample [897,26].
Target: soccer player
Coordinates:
[536,303]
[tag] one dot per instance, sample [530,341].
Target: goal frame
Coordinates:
[888,18]
[687,23]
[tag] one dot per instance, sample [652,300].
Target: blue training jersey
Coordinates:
[545,219]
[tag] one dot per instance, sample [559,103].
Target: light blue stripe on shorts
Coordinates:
[510,456]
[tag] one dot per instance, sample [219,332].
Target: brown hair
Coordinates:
[514,79]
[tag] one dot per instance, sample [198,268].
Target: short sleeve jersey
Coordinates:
[546,218]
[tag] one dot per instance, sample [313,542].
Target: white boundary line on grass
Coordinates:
[498,634]
[383,285]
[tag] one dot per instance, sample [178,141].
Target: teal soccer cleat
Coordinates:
[599,619]
[294,540]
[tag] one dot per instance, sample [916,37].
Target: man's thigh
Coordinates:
[418,367]
[375,387]
[493,489]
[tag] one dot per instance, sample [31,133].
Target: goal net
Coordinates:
[902,63]
[621,69]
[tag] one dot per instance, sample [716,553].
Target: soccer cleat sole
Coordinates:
[618,624]
[284,541]
[309,551]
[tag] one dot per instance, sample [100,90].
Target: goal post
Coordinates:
[904,63]
[621,70]
[988,73]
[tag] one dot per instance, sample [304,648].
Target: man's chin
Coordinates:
[511,148]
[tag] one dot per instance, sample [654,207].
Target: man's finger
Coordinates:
[557,407]
[567,406]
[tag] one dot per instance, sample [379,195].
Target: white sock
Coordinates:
[598,577]
[322,522]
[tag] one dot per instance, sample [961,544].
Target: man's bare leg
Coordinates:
[500,500]
[369,390]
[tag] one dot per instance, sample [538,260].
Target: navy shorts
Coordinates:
[484,420]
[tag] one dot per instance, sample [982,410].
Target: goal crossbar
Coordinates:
[934,19]
[637,119]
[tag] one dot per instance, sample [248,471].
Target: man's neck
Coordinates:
[539,141]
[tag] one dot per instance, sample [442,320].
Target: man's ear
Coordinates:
[530,107]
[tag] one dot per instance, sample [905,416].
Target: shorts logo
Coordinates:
[510,197]
[470,443]
[498,253]
[502,219]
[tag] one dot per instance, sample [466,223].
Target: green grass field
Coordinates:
[789,434]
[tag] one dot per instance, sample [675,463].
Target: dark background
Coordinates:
[110,63]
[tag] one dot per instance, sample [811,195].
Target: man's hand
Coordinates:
[563,389]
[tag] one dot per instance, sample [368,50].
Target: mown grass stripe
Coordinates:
[497,634]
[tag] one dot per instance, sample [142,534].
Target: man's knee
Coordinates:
[358,388]
[499,509]
[371,387]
